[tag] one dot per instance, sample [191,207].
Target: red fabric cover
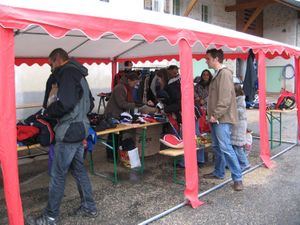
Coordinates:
[203,123]
[59,24]
[24,132]
[173,122]
[263,126]
[42,61]
[188,124]
[113,73]
[283,94]
[171,141]
[8,133]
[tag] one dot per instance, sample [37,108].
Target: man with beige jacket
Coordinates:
[222,114]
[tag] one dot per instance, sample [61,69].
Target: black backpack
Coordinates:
[46,135]
[286,100]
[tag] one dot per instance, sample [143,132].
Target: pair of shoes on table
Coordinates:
[212,176]
[41,220]
[238,186]
[84,212]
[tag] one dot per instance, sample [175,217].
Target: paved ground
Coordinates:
[271,196]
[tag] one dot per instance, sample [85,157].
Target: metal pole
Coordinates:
[277,140]
[154,218]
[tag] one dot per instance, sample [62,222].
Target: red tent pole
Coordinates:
[8,151]
[113,73]
[297,91]
[264,137]
[188,123]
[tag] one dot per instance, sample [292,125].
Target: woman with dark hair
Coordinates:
[201,88]
[201,95]
[157,86]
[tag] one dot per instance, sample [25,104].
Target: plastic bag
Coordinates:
[249,140]
[131,158]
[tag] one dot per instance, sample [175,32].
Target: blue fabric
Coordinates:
[224,153]
[242,157]
[68,156]
[50,158]
[91,139]
[200,152]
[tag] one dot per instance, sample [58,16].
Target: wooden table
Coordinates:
[32,147]
[114,132]
[29,106]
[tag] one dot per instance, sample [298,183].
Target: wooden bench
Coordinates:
[177,154]
[31,147]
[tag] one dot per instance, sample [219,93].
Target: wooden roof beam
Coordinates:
[190,6]
[258,10]
[247,5]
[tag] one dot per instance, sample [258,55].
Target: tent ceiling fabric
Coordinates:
[87,36]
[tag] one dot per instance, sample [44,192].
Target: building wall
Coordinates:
[218,17]
[218,14]
[280,24]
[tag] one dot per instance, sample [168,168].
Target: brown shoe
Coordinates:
[238,186]
[211,176]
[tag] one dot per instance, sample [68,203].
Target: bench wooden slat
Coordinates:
[20,148]
[178,151]
[172,152]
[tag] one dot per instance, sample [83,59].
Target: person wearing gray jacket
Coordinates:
[73,103]
[238,132]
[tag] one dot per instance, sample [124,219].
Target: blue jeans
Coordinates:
[68,156]
[242,157]
[224,153]
[200,152]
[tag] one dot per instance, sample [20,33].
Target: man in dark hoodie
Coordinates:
[73,102]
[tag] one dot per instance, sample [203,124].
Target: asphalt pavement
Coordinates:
[271,197]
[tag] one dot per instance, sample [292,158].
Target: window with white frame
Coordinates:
[165,6]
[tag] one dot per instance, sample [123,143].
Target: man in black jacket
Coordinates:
[73,102]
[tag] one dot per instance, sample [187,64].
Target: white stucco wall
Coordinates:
[31,83]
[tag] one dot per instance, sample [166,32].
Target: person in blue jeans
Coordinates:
[74,101]
[238,132]
[222,114]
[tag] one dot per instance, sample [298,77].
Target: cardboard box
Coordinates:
[152,144]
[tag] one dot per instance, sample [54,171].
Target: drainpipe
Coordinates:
[297,29]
